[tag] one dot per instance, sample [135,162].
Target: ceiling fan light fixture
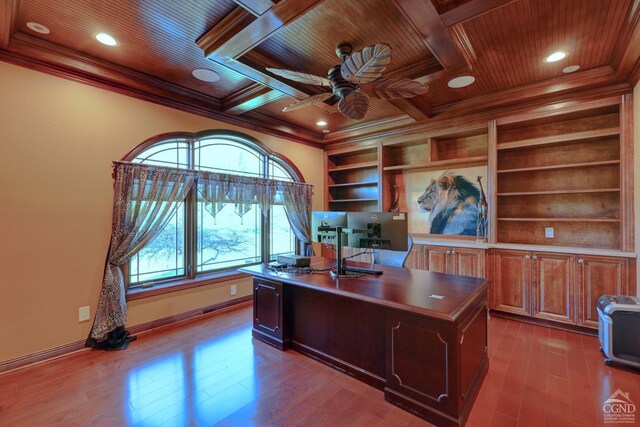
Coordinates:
[205,75]
[462,81]
[571,69]
[555,56]
[321,123]
[106,39]
[38,28]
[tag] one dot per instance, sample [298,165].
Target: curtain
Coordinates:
[218,189]
[145,198]
[297,203]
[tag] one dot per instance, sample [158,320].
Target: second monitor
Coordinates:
[378,230]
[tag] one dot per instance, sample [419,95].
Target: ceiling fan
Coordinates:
[353,81]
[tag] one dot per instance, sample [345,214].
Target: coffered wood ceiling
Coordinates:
[502,43]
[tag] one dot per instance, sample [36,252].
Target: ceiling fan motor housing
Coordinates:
[341,87]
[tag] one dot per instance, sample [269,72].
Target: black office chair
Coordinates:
[393,258]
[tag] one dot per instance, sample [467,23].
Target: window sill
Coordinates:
[183,284]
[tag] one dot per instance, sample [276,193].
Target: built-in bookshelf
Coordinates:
[452,150]
[352,178]
[560,176]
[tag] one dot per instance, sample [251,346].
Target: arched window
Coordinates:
[194,243]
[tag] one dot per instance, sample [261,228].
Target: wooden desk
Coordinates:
[428,355]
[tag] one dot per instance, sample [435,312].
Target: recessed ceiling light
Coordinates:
[461,81]
[325,131]
[571,69]
[107,39]
[205,75]
[321,123]
[555,56]
[38,28]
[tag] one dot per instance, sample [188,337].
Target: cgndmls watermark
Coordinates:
[619,409]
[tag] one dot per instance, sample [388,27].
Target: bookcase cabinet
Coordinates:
[353,178]
[560,176]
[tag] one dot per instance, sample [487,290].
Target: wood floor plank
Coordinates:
[211,372]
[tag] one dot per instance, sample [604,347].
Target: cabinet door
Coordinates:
[468,262]
[268,318]
[511,285]
[553,287]
[598,276]
[436,259]
[415,258]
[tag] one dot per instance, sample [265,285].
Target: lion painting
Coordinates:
[452,203]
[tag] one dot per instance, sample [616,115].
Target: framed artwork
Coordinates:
[444,202]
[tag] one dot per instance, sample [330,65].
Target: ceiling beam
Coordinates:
[256,7]
[415,111]
[470,10]
[226,42]
[8,14]
[225,30]
[424,19]
[257,31]
[249,98]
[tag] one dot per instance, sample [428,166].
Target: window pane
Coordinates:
[162,257]
[282,240]
[172,153]
[228,241]
[227,157]
[278,172]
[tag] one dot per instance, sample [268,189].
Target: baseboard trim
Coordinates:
[216,309]
[543,322]
[76,346]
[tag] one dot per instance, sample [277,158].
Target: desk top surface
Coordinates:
[406,289]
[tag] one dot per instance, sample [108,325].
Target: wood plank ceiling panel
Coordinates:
[513,41]
[308,44]
[156,38]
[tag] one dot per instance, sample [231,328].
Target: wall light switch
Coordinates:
[234,289]
[548,232]
[84,314]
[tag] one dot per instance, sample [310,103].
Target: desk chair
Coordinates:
[393,258]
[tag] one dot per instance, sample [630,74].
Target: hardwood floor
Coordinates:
[210,372]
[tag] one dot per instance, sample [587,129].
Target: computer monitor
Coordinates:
[323,227]
[378,230]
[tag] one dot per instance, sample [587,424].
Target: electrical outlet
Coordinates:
[84,314]
[234,289]
[548,232]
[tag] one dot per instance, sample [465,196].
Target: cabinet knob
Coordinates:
[580,261]
[534,257]
[453,252]
[527,257]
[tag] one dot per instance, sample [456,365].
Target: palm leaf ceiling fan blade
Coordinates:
[388,88]
[366,65]
[300,77]
[315,99]
[354,106]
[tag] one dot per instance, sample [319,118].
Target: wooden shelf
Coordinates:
[561,166]
[352,200]
[438,164]
[353,184]
[362,165]
[562,219]
[591,190]
[575,136]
